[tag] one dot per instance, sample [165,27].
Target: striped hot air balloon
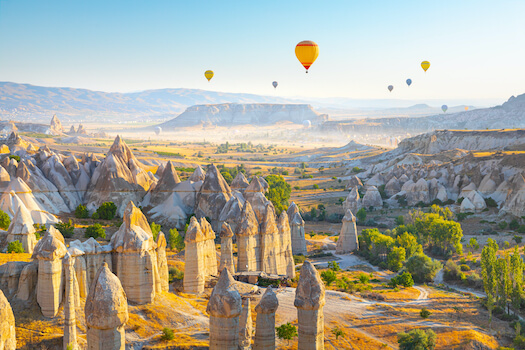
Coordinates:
[307,52]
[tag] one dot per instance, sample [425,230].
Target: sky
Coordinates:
[475,47]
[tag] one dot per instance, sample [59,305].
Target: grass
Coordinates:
[7,257]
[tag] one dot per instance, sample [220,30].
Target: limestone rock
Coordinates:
[265,322]
[27,284]
[248,241]
[286,245]
[224,308]
[213,195]
[418,192]
[106,312]
[240,182]
[467,206]
[227,249]
[354,181]
[21,229]
[7,325]
[309,301]
[392,187]
[245,326]
[198,174]
[56,125]
[71,295]
[270,248]
[347,241]
[231,213]
[372,198]
[254,194]
[353,201]
[297,233]
[162,262]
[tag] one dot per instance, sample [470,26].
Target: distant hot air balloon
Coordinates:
[275,84]
[307,52]
[390,88]
[425,65]
[158,130]
[307,123]
[466,108]
[409,82]
[444,108]
[208,74]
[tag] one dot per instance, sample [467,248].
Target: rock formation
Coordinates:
[56,125]
[248,241]
[270,248]
[372,198]
[227,249]
[49,252]
[21,229]
[265,322]
[162,262]
[286,246]
[309,301]
[213,195]
[231,213]
[354,181]
[245,326]
[106,312]
[224,308]
[135,257]
[352,201]
[7,325]
[210,252]
[347,241]
[297,233]
[240,182]
[71,296]
[254,194]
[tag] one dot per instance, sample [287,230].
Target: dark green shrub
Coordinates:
[361,214]
[107,211]
[5,221]
[514,224]
[502,225]
[95,231]
[66,228]
[175,274]
[464,267]
[328,277]
[286,331]
[175,240]
[95,216]
[167,334]
[15,157]
[81,212]
[299,259]
[491,203]
[425,313]
[15,247]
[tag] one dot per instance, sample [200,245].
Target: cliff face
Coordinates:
[238,114]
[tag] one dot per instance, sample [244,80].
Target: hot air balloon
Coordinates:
[208,74]
[307,124]
[307,52]
[409,82]
[466,108]
[425,65]
[390,88]
[158,130]
[275,84]
[444,108]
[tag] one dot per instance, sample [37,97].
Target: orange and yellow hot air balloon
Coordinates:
[307,52]
[208,74]
[425,65]
[466,108]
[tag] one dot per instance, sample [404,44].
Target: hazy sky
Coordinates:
[476,48]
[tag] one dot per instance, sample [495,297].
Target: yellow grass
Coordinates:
[7,257]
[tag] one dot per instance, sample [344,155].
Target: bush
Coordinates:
[95,231]
[175,240]
[361,214]
[451,271]
[107,211]
[363,278]
[15,247]
[521,229]
[81,212]
[425,313]
[66,228]
[286,331]
[175,274]
[316,186]
[5,221]
[491,203]
[514,224]
[95,216]
[334,266]
[417,339]
[167,334]
[404,280]
[400,220]
[278,192]
[422,268]
[502,225]
[155,230]
[299,259]
[464,267]
[15,157]
[328,277]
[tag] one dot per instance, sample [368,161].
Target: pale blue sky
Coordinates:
[476,47]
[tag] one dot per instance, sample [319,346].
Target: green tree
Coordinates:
[107,211]
[328,277]
[5,221]
[422,268]
[399,220]
[278,192]
[409,242]
[396,258]
[66,228]
[155,230]
[95,231]
[15,247]
[417,339]
[516,278]
[81,212]
[488,267]
[286,331]
[334,266]
[473,243]
[361,215]
[425,313]
[175,240]
[167,334]
[405,280]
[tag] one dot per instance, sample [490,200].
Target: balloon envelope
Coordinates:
[425,65]
[444,108]
[158,130]
[307,52]
[466,108]
[390,88]
[409,82]
[208,74]
[307,123]
[275,84]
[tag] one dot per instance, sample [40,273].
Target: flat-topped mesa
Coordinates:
[240,182]
[265,322]
[213,195]
[347,241]
[71,298]
[286,245]
[254,194]
[224,308]
[198,174]
[248,241]
[106,312]
[270,244]
[227,249]
[49,252]
[21,229]
[135,257]
[120,178]
[7,325]
[245,326]
[194,257]
[309,301]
